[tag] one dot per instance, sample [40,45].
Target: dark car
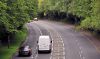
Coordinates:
[25,51]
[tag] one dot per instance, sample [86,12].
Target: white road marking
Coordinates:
[80,55]
[52,41]
[50,57]
[63,45]
[52,44]
[83,57]
[76,40]
[32,56]
[39,30]
[78,44]
[36,47]
[63,53]
[81,52]
[80,48]
[36,56]
[51,38]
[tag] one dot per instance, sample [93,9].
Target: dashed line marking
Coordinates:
[81,51]
[59,41]
[52,43]
[63,45]
[36,47]
[36,56]
[39,30]
[32,56]
[83,57]
[80,48]
[76,40]
[80,55]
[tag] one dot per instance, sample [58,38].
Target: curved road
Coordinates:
[67,43]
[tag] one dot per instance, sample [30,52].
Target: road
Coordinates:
[67,43]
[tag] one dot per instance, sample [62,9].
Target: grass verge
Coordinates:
[6,53]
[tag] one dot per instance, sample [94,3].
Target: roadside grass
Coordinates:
[5,52]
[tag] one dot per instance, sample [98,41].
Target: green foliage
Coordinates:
[95,17]
[87,12]
[80,7]
[86,23]
[4,51]
[15,13]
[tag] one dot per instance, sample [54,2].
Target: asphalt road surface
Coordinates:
[67,43]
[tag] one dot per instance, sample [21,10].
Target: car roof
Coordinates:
[24,47]
[44,36]
[43,39]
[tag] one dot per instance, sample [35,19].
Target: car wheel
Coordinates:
[29,54]
[50,51]
[19,54]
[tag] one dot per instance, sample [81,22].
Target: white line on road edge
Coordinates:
[36,53]
[32,56]
[80,48]
[40,34]
[83,57]
[62,42]
[52,43]
[51,38]
[76,40]
[80,52]
[36,56]
[36,47]
[39,29]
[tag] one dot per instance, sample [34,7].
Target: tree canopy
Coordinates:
[15,13]
[87,12]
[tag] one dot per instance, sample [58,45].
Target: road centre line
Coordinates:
[83,57]
[40,34]
[81,52]
[76,40]
[36,56]
[39,30]
[32,56]
[63,44]
[53,43]
[80,55]
[80,48]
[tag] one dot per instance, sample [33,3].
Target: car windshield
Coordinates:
[21,48]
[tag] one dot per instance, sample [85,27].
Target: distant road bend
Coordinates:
[67,43]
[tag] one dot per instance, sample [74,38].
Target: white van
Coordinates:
[44,44]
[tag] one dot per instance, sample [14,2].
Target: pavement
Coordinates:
[67,43]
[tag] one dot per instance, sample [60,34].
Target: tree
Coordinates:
[14,14]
